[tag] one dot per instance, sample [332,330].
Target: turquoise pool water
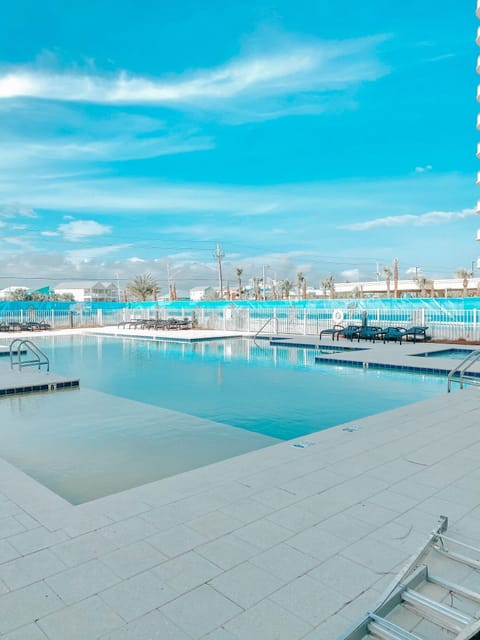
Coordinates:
[276,391]
[150,409]
[451,354]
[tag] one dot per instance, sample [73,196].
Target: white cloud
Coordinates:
[351,275]
[316,66]
[49,234]
[15,210]
[77,256]
[81,229]
[424,169]
[421,220]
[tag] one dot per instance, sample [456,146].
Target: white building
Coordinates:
[89,291]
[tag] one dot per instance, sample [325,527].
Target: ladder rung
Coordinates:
[458,557]
[455,588]
[387,630]
[436,612]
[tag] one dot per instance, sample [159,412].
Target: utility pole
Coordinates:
[219,255]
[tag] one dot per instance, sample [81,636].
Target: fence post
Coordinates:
[100,317]
[52,321]
[275,320]
[305,321]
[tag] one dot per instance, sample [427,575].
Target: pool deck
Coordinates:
[282,543]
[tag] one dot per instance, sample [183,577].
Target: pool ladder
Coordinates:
[460,372]
[260,330]
[21,346]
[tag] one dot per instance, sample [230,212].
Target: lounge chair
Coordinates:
[351,332]
[370,333]
[413,334]
[392,334]
[336,330]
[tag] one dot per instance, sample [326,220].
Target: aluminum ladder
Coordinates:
[22,347]
[459,373]
[424,605]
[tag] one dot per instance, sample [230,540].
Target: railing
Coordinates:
[261,329]
[460,372]
[39,358]
[444,322]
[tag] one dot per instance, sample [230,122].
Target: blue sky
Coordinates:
[307,136]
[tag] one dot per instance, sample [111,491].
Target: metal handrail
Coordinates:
[260,330]
[461,370]
[37,352]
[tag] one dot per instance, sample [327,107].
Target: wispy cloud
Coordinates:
[77,256]
[421,220]
[316,66]
[424,169]
[81,229]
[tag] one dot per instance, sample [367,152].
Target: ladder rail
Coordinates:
[40,359]
[265,324]
[461,369]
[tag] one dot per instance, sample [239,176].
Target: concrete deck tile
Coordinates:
[152,626]
[36,539]
[10,526]
[246,584]
[263,533]
[187,571]
[23,606]
[294,518]
[137,596]
[83,548]
[317,543]
[215,524]
[309,599]
[29,632]
[177,540]
[7,552]
[285,562]
[344,576]
[376,556]
[124,532]
[164,517]
[26,521]
[247,510]
[87,619]
[371,513]
[28,569]
[200,611]
[329,629]
[268,621]
[228,551]
[78,583]
[133,559]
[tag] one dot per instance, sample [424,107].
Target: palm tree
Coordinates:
[388,278]
[329,285]
[465,275]
[256,287]
[304,289]
[300,279]
[143,287]
[286,287]
[395,277]
[423,283]
[239,272]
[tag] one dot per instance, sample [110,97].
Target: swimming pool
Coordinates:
[451,354]
[149,409]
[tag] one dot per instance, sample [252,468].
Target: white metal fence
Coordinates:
[442,324]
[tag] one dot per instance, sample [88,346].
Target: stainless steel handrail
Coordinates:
[461,370]
[37,352]
[260,330]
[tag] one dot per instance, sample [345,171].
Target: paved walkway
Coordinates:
[283,543]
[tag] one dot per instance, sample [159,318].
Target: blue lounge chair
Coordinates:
[393,334]
[351,332]
[370,333]
[417,333]
[336,330]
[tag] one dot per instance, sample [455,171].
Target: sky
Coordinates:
[311,136]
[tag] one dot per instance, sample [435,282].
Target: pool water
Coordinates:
[276,391]
[451,354]
[149,409]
